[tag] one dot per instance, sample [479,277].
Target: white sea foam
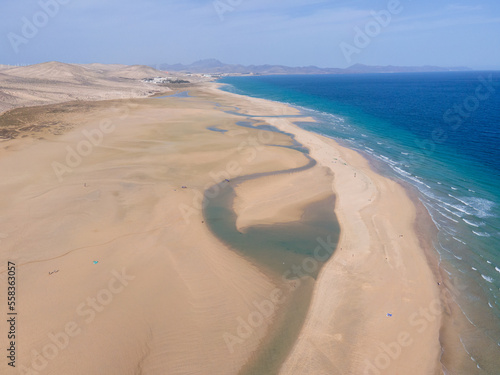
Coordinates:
[448,272]
[487,278]
[401,171]
[387,160]
[449,218]
[428,194]
[417,180]
[458,199]
[481,206]
[471,223]
[436,223]
[331,115]
[450,211]
[481,234]
[458,208]
[455,238]
[462,341]
[449,230]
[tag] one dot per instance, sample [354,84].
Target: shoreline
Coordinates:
[453,356]
[301,357]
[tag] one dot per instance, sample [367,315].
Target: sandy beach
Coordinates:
[119,271]
[379,268]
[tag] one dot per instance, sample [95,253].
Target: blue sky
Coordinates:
[288,32]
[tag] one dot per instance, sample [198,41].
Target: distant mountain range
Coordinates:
[216,67]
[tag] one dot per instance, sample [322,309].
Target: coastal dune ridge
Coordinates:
[123,270]
[56,82]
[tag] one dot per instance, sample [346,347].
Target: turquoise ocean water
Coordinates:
[439,132]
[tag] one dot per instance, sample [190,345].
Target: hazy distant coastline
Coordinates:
[215,66]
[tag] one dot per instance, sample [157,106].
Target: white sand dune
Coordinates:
[55,82]
[51,70]
[136,72]
[104,67]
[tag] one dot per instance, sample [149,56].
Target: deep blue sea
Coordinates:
[439,132]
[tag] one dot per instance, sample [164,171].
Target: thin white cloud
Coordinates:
[424,25]
[464,8]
